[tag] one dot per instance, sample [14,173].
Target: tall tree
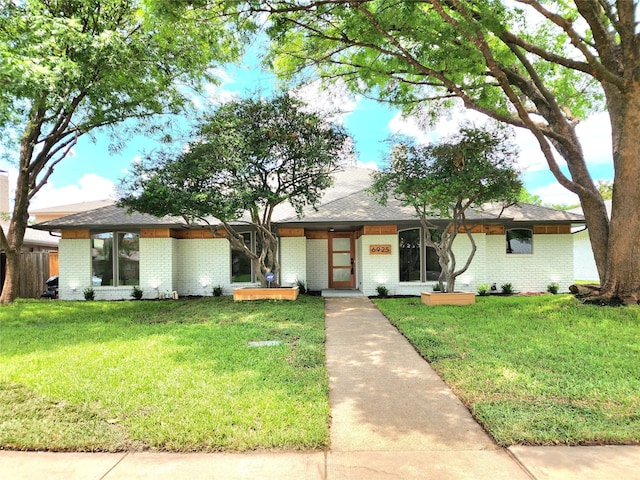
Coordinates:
[534,64]
[446,180]
[245,159]
[68,67]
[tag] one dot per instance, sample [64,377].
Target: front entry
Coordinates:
[342,266]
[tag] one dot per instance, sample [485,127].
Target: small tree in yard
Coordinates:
[245,159]
[444,181]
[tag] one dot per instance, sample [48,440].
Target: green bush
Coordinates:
[484,290]
[383,292]
[436,287]
[553,288]
[89,294]
[136,293]
[507,288]
[217,291]
[302,288]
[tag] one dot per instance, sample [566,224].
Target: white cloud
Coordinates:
[333,101]
[88,188]
[369,165]
[595,135]
[556,194]
[218,94]
[214,94]
[422,131]
[410,127]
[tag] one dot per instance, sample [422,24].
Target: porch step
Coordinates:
[336,292]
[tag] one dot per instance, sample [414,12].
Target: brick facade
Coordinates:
[196,266]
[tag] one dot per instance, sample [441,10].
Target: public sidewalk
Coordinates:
[392,418]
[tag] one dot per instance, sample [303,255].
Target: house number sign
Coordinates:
[384,249]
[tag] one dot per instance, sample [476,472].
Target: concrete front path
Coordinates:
[392,418]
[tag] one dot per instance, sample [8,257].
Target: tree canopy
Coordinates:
[533,64]
[245,159]
[445,181]
[68,67]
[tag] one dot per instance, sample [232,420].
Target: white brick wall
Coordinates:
[317,264]
[474,276]
[551,261]
[202,265]
[293,260]
[75,268]
[584,267]
[379,269]
[156,266]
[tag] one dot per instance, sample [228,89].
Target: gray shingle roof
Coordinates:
[73,207]
[110,217]
[347,201]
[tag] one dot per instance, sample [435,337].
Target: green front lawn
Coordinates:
[537,370]
[167,375]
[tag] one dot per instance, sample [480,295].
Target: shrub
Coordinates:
[383,291]
[553,288]
[436,287]
[507,288]
[136,293]
[302,288]
[217,291]
[484,290]
[89,294]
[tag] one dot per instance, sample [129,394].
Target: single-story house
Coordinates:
[348,242]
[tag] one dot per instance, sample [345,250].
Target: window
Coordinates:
[417,264]
[519,240]
[241,268]
[409,242]
[115,259]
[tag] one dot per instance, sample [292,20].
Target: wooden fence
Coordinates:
[35,269]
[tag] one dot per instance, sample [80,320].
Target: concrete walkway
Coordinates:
[392,418]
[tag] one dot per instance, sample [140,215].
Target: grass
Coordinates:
[535,370]
[163,375]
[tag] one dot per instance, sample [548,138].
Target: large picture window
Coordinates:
[418,263]
[519,240]
[115,259]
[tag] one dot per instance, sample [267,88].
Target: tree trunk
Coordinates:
[622,278]
[12,277]
[13,239]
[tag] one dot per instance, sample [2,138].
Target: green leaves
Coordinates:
[101,62]
[443,181]
[247,154]
[244,159]
[476,165]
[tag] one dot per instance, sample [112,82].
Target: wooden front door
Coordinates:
[342,266]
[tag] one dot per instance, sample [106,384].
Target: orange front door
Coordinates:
[342,267]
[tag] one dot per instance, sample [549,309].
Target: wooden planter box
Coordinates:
[262,293]
[455,298]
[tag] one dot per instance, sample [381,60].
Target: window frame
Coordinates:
[506,238]
[423,248]
[252,246]
[116,273]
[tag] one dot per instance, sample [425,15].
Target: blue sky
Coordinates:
[91,172]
